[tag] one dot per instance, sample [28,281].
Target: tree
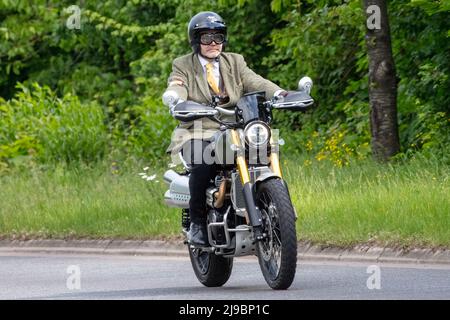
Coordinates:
[382,82]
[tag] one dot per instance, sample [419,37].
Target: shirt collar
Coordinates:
[204,62]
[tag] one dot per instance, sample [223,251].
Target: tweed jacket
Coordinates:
[189,82]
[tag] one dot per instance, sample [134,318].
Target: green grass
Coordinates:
[84,203]
[407,204]
[396,205]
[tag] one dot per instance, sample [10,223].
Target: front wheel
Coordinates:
[211,270]
[277,252]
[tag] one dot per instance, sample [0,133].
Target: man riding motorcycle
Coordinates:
[205,75]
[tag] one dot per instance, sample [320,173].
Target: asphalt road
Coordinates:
[57,276]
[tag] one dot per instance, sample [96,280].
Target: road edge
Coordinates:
[306,251]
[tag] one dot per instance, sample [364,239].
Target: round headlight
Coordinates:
[257,134]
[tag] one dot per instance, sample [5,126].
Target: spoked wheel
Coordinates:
[211,270]
[277,253]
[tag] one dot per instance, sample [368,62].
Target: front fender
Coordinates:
[266,176]
[270,175]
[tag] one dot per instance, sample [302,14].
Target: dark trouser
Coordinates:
[199,180]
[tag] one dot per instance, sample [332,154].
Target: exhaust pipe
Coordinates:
[178,194]
[169,176]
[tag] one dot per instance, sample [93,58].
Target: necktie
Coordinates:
[210,77]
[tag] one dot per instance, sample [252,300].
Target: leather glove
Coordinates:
[280,95]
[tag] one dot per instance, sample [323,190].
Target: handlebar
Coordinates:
[298,105]
[190,110]
[186,116]
[225,111]
[290,105]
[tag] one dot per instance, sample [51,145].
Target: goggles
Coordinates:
[208,38]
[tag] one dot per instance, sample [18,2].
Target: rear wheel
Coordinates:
[211,270]
[277,253]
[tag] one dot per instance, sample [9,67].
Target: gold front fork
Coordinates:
[241,164]
[274,159]
[240,158]
[253,216]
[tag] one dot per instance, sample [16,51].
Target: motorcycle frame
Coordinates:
[248,182]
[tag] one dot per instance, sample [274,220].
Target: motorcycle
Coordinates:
[249,209]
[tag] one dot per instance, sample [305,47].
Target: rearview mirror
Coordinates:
[305,84]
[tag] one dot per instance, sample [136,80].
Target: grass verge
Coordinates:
[395,205]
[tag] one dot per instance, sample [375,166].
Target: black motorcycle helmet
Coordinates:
[203,21]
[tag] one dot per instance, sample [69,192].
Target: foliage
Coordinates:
[330,49]
[37,125]
[424,69]
[116,66]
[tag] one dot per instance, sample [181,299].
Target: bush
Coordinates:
[121,57]
[36,125]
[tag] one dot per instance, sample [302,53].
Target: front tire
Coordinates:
[277,253]
[211,270]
